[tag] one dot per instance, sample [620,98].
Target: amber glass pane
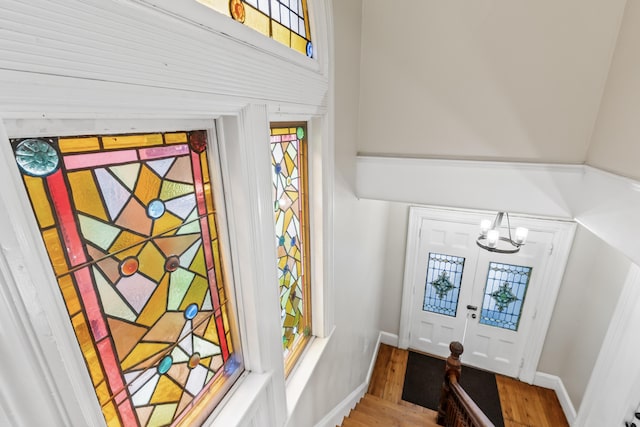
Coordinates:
[286,21]
[288,160]
[129,224]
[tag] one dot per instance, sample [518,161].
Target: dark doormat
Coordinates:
[424,376]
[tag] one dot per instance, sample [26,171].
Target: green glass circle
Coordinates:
[300,133]
[36,157]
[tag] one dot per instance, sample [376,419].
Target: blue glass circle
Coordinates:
[165,365]
[309,50]
[278,168]
[191,311]
[36,157]
[293,241]
[155,209]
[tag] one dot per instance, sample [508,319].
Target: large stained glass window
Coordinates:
[504,295]
[129,224]
[286,21]
[442,287]
[290,201]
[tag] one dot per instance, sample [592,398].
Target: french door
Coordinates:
[460,292]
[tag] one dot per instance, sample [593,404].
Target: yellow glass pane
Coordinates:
[76,145]
[281,33]
[157,305]
[167,391]
[39,200]
[212,226]
[55,250]
[221,6]
[125,240]
[103,393]
[88,350]
[216,260]
[85,194]
[208,198]
[256,20]
[196,293]
[148,186]
[152,262]
[175,138]
[143,352]
[211,333]
[111,415]
[280,131]
[168,221]
[298,43]
[70,295]
[132,141]
[198,264]
[205,166]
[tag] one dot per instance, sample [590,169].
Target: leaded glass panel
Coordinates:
[442,288]
[286,21]
[291,220]
[504,295]
[130,227]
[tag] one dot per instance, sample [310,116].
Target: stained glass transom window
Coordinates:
[442,287]
[504,295]
[290,202]
[286,21]
[130,227]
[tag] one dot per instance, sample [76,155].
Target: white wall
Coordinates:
[490,79]
[591,286]
[614,145]
[359,244]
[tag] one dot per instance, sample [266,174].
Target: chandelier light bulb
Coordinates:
[492,238]
[485,226]
[521,235]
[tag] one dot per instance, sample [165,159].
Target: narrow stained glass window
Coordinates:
[288,162]
[442,287]
[286,21]
[129,224]
[504,295]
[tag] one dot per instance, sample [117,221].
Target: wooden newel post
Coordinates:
[453,366]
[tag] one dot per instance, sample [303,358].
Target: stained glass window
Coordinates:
[442,287]
[290,201]
[286,21]
[504,295]
[130,227]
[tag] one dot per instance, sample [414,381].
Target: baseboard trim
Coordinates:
[335,417]
[389,339]
[337,414]
[555,383]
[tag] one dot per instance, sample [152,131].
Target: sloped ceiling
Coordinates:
[488,79]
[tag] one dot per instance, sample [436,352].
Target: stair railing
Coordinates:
[456,408]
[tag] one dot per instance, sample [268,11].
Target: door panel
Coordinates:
[444,257]
[505,286]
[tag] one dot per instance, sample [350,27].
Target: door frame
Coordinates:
[563,231]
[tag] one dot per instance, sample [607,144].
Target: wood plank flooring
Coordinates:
[523,405]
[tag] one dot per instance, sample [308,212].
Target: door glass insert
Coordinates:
[442,287]
[504,295]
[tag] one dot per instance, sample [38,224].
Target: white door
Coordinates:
[485,300]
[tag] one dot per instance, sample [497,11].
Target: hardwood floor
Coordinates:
[523,405]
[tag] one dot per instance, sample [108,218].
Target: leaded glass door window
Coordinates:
[504,295]
[131,230]
[286,21]
[442,288]
[291,214]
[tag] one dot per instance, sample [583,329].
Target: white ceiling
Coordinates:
[488,79]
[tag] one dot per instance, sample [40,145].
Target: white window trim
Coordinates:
[76,88]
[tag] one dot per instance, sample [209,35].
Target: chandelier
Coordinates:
[491,240]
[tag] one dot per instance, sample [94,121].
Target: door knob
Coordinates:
[472,307]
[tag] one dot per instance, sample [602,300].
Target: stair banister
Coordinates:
[456,408]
